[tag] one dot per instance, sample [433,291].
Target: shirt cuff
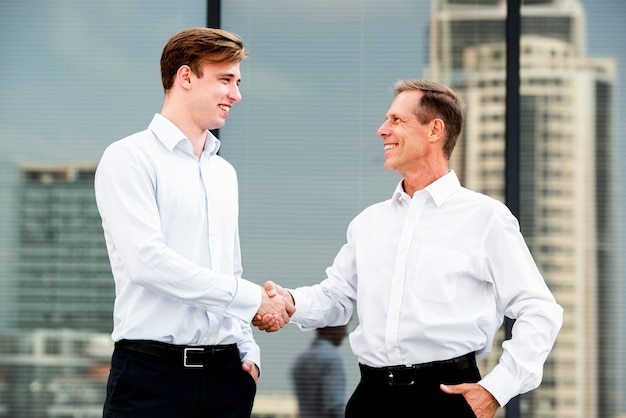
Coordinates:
[253,356]
[246,302]
[303,309]
[501,384]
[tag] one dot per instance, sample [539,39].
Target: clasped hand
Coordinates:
[277,306]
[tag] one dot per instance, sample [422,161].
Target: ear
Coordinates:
[437,130]
[183,77]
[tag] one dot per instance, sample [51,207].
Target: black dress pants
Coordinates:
[171,382]
[413,392]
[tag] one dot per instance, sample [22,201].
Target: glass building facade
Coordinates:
[79,75]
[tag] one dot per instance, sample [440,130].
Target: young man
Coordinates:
[169,208]
[433,271]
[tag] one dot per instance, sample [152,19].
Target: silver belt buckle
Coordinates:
[187,365]
[393,382]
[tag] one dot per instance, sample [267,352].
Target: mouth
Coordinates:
[390,146]
[224,108]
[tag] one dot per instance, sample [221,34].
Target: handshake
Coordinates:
[277,306]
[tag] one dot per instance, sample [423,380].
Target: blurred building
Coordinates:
[53,373]
[63,269]
[566,173]
[57,294]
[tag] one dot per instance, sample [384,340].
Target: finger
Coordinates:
[272,326]
[259,319]
[266,328]
[251,368]
[285,315]
[263,322]
[262,327]
[280,320]
[267,321]
[276,326]
[275,322]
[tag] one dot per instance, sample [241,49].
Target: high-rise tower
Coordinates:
[57,293]
[565,175]
[62,268]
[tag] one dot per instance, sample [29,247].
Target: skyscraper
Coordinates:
[57,293]
[565,175]
[63,275]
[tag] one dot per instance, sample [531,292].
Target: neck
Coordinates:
[194,134]
[420,180]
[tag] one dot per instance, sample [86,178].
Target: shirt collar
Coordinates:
[170,136]
[439,190]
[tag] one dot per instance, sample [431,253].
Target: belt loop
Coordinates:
[463,363]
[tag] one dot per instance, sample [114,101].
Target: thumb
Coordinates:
[270,288]
[452,389]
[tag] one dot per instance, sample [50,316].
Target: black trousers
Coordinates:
[154,380]
[413,392]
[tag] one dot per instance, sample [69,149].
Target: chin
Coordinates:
[215,126]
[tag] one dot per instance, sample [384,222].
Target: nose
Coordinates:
[382,130]
[235,94]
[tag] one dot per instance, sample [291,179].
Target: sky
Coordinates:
[69,89]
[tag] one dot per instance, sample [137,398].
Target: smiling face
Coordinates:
[405,139]
[213,94]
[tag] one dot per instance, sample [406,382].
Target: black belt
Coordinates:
[407,375]
[188,356]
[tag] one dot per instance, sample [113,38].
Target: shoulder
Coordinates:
[483,201]
[482,209]
[374,210]
[222,163]
[130,156]
[130,144]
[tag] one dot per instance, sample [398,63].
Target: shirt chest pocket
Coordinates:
[437,272]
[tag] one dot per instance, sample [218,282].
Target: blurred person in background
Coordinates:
[318,375]
[433,271]
[169,207]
